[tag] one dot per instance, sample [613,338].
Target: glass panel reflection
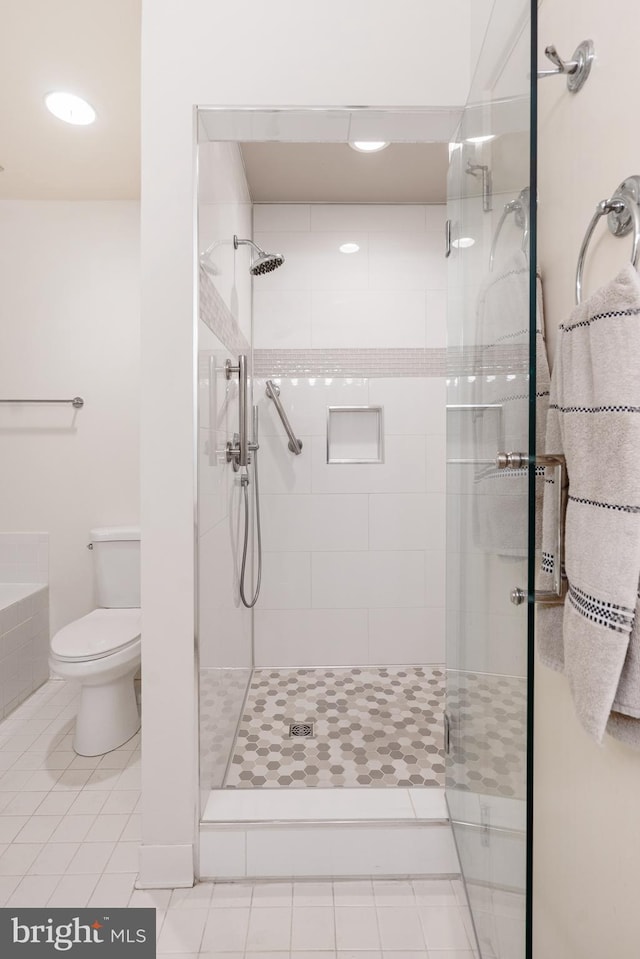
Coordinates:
[488,507]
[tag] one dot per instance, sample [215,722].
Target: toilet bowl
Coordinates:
[101,651]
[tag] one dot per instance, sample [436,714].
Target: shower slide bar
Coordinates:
[77,402]
[273,392]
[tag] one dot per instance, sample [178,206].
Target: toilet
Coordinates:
[101,651]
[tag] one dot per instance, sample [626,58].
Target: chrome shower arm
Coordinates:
[238,242]
[273,392]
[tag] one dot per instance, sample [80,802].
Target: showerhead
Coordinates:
[266,263]
[263,262]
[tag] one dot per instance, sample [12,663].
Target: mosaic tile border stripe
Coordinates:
[215,314]
[490,358]
[391,362]
[352,362]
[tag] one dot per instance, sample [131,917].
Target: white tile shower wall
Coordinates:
[24,644]
[224,329]
[354,554]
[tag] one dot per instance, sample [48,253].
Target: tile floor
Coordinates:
[313,920]
[69,825]
[69,836]
[380,726]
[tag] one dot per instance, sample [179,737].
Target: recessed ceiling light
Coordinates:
[349,248]
[70,108]
[463,242]
[368,146]
[485,139]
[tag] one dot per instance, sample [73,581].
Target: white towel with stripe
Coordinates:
[594,419]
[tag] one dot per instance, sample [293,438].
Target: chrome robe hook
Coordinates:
[576,69]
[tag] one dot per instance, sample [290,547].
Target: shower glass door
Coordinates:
[489,524]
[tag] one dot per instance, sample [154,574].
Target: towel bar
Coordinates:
[623,214]
[77,402]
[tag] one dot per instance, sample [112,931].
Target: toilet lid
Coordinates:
[99,633]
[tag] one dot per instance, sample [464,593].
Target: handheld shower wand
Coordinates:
[244,483]
[239,455]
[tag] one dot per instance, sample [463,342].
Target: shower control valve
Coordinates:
[233,452]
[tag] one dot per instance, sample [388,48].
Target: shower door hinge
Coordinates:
[485,824]
[447,238]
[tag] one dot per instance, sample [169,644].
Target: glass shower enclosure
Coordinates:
[490,524]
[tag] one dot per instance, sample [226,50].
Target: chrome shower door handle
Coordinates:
[556,461]
[555,596]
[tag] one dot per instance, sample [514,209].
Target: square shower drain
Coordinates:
[301,731]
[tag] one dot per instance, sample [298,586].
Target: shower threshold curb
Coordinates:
[343,834]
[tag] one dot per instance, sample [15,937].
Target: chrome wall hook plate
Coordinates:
[584,56]
[576,70]
[620,222]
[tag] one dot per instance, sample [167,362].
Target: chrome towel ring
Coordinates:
[623,215]
[519,207]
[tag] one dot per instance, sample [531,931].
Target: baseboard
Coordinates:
[163,867]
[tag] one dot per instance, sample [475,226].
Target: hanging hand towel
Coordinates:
[594,419]
[502,496]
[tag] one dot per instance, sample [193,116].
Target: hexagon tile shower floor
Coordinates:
[373,726]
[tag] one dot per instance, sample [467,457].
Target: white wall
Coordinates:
[229,54]
[69,289]
[354,555]
[587,842]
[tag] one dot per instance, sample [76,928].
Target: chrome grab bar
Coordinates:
[555,596]
[273,392]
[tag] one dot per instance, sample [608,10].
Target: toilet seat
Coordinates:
[96,635]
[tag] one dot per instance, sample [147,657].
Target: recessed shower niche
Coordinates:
[355,434]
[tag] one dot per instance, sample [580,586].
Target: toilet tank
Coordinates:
[116,557]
